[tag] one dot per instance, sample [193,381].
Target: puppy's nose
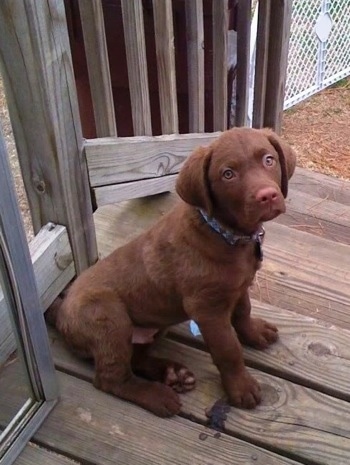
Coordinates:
[267,195]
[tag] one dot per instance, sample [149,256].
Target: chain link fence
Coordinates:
[319,48]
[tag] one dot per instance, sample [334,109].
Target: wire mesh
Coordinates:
[314,64]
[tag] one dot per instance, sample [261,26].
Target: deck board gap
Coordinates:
[56,450]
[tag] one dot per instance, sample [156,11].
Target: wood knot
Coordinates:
[63,261]
[319,349]
[270,394]
[40,186]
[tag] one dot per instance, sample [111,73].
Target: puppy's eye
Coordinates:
[268,160]
[228,174]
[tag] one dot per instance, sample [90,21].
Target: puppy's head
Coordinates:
[241,179]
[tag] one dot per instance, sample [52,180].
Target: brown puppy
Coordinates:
[196,263]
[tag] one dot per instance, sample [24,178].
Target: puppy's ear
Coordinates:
[192,183]
[286,155]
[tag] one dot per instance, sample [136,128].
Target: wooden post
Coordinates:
[91,14]
[280,20]
[37,69]
[244,12]
[261,61]
[220,23]
[195,64]
[164,37]
[135,44]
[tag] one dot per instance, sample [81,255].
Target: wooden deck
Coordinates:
[304,418]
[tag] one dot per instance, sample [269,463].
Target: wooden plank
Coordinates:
[280,20]
[39,80]
[113,222]
[302,423]
[92,21]
[220,66]
[112,160]
[309,352]
[195,64]
[164,37]
[322,217]
[52,261]
[261,61]
[94,427]
[321,185]
[292,420]
[40,456]
[133,190]
[306,274]
[244,12]
[135,46]
[53,268]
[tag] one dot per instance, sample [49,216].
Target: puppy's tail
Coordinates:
[52,311]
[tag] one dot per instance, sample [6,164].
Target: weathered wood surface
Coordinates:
[117,160]
[306,274]
[309,351]
[320,185]
[133,190]
[220,64]
[114,160]
[135,47]
[279,32]
[52,261]
[322,217]
[244,12]
[292,419]
[33,454]
[96,428]
[91,14]
[53,268]
[164,37]
[195,64]
[39,81]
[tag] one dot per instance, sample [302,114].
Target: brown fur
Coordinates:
[181,269]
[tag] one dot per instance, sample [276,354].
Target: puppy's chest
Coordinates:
[243,265]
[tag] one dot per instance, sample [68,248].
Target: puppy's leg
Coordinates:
[225,349]
[112,353]
[173,374]
[254,332]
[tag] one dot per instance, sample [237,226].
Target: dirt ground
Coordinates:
[319,131]
[317,128]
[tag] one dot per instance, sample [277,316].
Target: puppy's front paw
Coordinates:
[258,333]
[244,391]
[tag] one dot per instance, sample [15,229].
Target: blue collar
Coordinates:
[234,239]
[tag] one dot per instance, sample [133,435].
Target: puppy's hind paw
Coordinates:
[180,378]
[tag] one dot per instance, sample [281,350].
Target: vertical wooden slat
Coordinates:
[137,66]
[244,11]
[164,37]
[195,64]
[280,19]
[220,71]
[38,74]
[91,14]
[261,62]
